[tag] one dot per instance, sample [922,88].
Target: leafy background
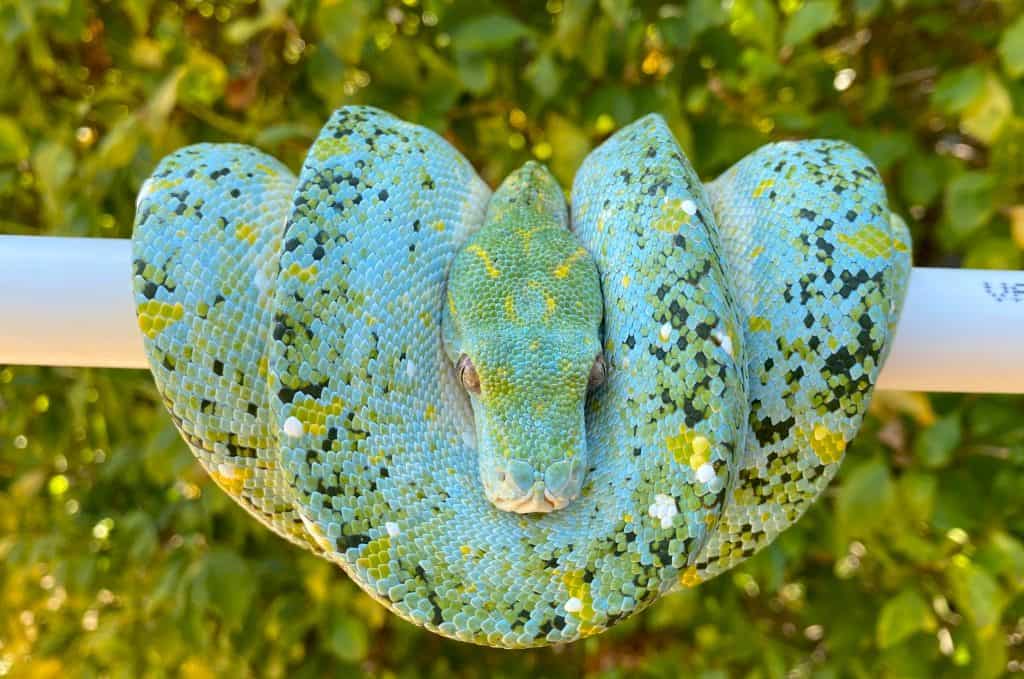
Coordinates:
[120,558]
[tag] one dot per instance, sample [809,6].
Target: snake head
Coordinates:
[522,326]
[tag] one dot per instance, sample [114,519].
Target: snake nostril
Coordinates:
[523,475]
[560,476]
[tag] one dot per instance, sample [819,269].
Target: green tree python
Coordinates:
[511,418]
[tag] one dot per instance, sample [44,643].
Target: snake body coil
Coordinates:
[294,329]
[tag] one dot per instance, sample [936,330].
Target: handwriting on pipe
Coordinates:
[1012,293]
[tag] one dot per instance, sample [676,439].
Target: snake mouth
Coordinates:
[556,501]
[539,500]
[521,489]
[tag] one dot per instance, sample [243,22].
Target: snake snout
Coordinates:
[523,489]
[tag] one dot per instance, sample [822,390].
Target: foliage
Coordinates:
[120,558]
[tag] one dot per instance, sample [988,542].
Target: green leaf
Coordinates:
[986,115]
[993,252]
[991,653]
[610,100]
[13,144]
[138,12]
[865,499]
[699,16]
[343,26]
[969,203]
[1007,155]
[885,148]
[570,28]
[545,75]
[224,586]
[935,445]
[162,458]
[476,72]
[204,79]
[1011,48]
[162,100]
[595,59]
[325,70]
[917,492]
[1004,555]
[812,18]
[53,163]
[921,178]
[400,66]
[489,33]
[570,144]
[244,29]
[276,134]
[958,88]
[976,593]
[347,638]
[119,144]
[618,11]
[867,9]
[755,21]
[903,616]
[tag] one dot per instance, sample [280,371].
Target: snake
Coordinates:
[516,417]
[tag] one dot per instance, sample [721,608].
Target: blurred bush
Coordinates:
[119,558]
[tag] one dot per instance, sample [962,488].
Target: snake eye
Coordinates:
[467,374]
[598,372]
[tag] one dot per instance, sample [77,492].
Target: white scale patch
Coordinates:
[664,509]
[392,528]
[706,473]
[723,340]
[573,605]
[293,427]
[261,282]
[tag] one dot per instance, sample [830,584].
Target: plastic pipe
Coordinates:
[961,330]
[68,301]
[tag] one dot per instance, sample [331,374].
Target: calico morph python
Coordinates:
[511,419]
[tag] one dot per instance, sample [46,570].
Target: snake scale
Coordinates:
[512,419]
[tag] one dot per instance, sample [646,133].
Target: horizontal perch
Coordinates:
[68,301]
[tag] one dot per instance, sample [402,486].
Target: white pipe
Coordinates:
[68,301]
[961,330]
